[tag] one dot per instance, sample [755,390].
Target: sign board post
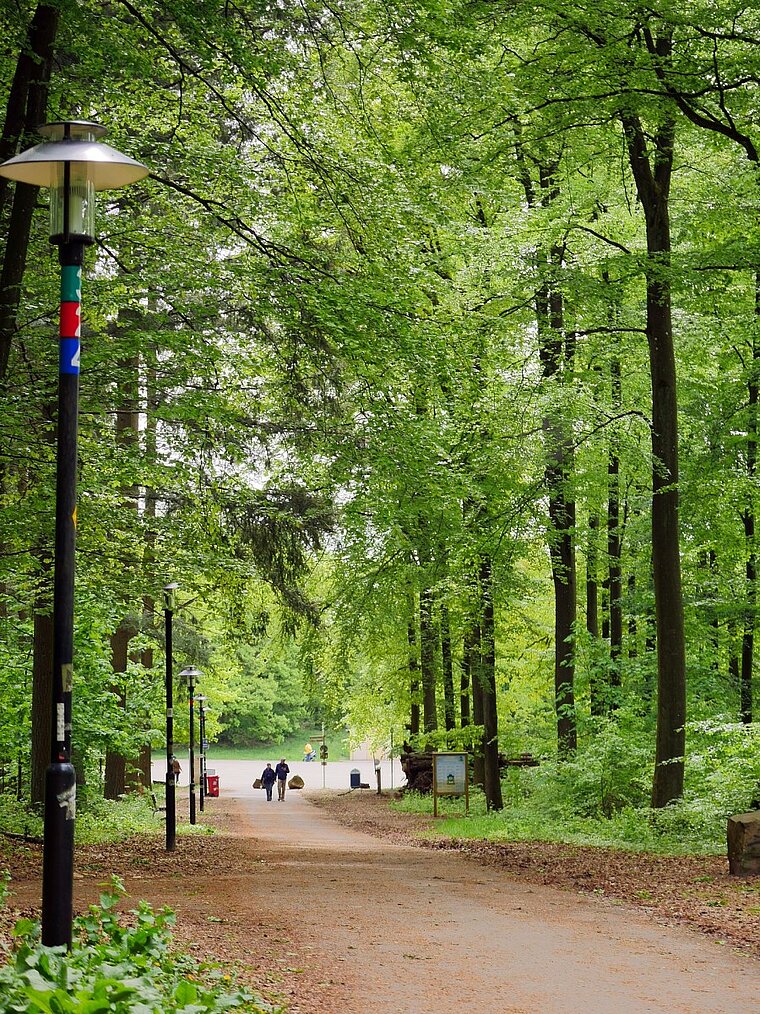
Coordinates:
[450,778]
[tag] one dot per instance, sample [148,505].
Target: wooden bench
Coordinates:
[524,760]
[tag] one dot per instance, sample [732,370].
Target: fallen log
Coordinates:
[418,768]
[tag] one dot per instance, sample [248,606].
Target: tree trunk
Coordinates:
[592,609]
[144,767]
[427,662]
[126,436]
[491,779]
[562,554]
[25,110]
[734,675]
[712,559]
[42,698]
[478,763]
[556,352]
[653,186]
[614,545]
[468,662]
[414,669]
[116,766]
[447,668]
[748,518]
[592,585]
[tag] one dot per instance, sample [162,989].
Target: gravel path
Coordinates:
[426,932]
[335,921]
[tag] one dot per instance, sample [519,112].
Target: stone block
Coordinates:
[744,844]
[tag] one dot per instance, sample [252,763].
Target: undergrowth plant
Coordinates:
[600,797]
[98,820]
[118,963]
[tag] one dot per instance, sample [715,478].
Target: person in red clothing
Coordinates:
[282,770]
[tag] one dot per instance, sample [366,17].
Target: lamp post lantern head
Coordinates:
[170,591]
[73,165]
[190,675]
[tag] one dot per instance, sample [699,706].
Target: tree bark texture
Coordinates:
[592,584]
[614,542]
[652,178]
[25,110]
[427,662]
[42,698]
[468,662]
[116,766]
[592,608]
[491,775]
[414,669]
[561,536]
[748,518]
[478,763]
[447,669]
[632,622]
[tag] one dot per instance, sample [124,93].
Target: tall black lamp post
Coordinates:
[170,592]
[73,165]
[190,676]
[201,700]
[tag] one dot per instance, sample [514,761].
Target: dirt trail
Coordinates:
[428,932]
[338,922]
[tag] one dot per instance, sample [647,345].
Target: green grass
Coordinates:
[600,797]
[291,748]
[98,821]
[686,828]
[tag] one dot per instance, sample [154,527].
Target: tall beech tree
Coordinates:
[652,170]
[25,110]
[350,209]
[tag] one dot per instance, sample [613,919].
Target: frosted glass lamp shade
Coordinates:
[190,675]
[72,218]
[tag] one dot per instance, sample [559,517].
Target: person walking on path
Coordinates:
[268,779]
[282,770]
[176,770]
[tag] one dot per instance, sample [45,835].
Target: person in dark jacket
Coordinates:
[282,770]
[268,778]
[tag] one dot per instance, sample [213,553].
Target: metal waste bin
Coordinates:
[356,778]
[212,785]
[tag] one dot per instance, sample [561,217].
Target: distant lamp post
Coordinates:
[191,675]
[201,700]
[73,165]
[170,604]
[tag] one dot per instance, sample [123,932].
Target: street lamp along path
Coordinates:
[201,700]
[191,676]
[73,165]
[170,592]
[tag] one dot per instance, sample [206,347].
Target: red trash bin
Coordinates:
[212,785]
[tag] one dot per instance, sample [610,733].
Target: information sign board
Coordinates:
[450,778]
